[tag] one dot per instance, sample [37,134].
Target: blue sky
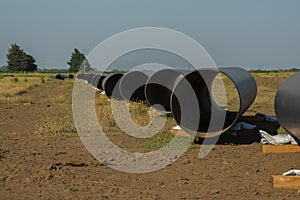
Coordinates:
[263,33]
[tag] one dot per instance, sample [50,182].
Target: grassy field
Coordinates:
[42,156]
[59,120]
[14,85]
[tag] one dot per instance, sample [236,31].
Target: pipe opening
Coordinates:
[212,98]
[132,86]
[99,82]
[159,88]
[111,86]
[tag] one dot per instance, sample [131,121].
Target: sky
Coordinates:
[261,34]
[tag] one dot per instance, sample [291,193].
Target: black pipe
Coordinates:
[91,78]
[99,81]
[71,76]
[83,76]
[287,106]
[111,86]
[63,76]
[132,85]
[198,111]
[80,76]
[96,81]
[159,88]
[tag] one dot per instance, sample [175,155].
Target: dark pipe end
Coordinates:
[199,109]
[159,88]
[60,77]
[132,86]
[111,86]
[100,81]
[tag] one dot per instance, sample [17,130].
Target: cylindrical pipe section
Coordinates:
[132,85]
[96,81]
[63,76]
[200,82]
[159,88]
[111,86]
[99,81]
[89,78]
[287,106]
[82,76]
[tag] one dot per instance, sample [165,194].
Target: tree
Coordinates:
[78,59]
[18,60]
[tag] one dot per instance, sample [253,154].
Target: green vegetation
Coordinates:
[18,60]
[15,79]
[12,86]
[73,189]
[58,119]
[78,59]
[274,71]
[115,71]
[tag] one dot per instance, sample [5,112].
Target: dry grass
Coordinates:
[267,83]
[11,88]
[225,94]
[139,115]
[59,121]
[267,88]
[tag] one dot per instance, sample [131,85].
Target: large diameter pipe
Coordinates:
[198,114]
[132,85]
[159,88]
[84,76]
[99,81]
[96,81]
[111,86]
[81,76]
[287,106]
[89,77]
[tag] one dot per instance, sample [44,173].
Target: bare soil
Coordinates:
[52,166]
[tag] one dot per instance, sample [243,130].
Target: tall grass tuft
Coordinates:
[15,80]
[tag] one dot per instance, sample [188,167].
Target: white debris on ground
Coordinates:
[102,93]
[176,128]
[294,172]
[266,138]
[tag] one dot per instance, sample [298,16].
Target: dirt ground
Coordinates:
[53,166]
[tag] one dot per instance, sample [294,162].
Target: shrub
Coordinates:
[15,80]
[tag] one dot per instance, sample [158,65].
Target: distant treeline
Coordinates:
[274,70]
[19,61]
[62,71]
[50,71]
[115,71]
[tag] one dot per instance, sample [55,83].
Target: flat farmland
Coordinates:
[42,156]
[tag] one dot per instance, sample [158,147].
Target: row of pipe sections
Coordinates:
[188,96]
[63,76]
